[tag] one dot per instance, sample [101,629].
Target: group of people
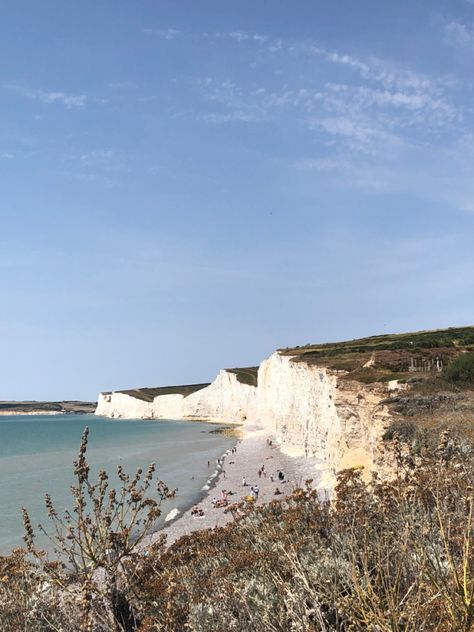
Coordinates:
[222,501]
[254,492]
[197,512]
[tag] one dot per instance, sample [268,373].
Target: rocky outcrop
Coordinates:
[311,410]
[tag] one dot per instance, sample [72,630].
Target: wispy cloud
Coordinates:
[375,124]
[97,157]
[240,36]
[234,103]
[167,34]
[371,119]
[51,97]
[459,34]
[6,156]
[359,134]
[372,85]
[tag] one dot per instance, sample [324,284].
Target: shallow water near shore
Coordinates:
[37,454]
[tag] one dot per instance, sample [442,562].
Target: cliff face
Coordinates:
[315,413]
[120,405]
[310,409]
[226,399]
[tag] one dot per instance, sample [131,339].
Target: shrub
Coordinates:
[404,430]
[461,370]
[389,556]
[97,547]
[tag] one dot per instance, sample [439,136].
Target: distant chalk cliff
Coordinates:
[308,408]
[46,408]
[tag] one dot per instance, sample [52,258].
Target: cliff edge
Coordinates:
[335,401]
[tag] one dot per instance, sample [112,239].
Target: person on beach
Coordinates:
[259,473]
[256,491]
[271,478]
[244,482]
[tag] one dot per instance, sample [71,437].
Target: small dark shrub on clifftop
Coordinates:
[461,370]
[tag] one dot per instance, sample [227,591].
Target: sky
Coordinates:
[187,186]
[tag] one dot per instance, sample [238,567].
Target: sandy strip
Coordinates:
[252,452]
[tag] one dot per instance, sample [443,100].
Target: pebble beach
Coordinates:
[257,448]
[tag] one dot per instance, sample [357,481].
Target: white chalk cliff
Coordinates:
[226,399]
[310,410]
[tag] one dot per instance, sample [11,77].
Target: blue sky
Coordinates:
[189,185]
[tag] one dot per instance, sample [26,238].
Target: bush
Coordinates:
[97,543]
[404,430]
[461,370]
[391,556]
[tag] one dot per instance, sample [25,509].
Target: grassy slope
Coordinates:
[148,394]
[247,375]
[431,404]
[391,354]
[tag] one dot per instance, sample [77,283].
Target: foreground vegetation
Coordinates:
[385,556]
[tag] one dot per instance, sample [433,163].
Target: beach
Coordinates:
[257,448]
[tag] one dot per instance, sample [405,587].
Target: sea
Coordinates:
[37,454]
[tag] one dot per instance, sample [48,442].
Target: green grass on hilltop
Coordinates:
[148,394]
[452,337]
[435,401]
[247,375]
[390,355]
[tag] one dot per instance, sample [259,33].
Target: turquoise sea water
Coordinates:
[36,455]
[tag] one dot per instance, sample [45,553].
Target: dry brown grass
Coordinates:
[391,556]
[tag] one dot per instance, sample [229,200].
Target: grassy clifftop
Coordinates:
[392,356]
[148,394]
[247,375]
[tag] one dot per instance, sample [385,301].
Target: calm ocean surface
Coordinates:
[36,455]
